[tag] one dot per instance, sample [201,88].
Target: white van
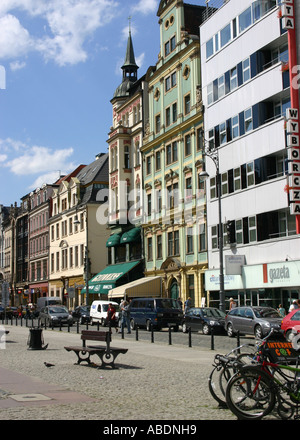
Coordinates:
[98,311]
[48,301]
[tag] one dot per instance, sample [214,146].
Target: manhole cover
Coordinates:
[29,397]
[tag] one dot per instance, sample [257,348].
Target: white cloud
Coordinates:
[146,6]
[40,159]
[17,65]
[14,38]
[69,23]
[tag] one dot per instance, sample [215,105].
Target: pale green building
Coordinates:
[174,195]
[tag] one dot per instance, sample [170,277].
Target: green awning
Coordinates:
[113,240]
[106,280]
[131,235]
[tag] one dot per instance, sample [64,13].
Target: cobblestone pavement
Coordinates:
[153,382]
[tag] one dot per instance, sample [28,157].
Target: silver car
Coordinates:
[55,316]
[252,320]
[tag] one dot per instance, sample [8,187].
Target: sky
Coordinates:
[60,63]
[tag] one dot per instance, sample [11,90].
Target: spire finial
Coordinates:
[129,19]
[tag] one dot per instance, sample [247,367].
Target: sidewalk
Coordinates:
[153,382]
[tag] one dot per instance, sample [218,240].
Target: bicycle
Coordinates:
[224,368]
[255,390]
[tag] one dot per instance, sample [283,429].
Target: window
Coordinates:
[149,200]
[126,157]
[248,120]
[187,145]
[190,241]
[250,174]
[252,229]
[239,231]
[170,81]
[246,70]
[159,246]
[209,48]
[148,165]
[170,46]
[157,124]
[213,188]
[168,116]
[224,183]
[173,243]
[174,111]
[188,188]
[233,78]
[173,196]
[158,201]
[245,19]
[223,137]
[187,104]
[214,237]
[237,179]
[225,35]
[235,127]
[149,248]
[172,155]
[221,87]
[157,161]
[210,95]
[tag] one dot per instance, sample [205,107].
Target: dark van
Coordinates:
[160,312]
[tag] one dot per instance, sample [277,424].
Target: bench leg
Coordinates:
[83,356]
[107,359]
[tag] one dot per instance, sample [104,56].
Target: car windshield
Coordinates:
[85,308]
[58,310]
[213,313]
[266,313]
[168,303]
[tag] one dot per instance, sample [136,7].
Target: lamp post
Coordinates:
[213,154]
[86,255]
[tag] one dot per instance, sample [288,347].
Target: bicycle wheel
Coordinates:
[250,394]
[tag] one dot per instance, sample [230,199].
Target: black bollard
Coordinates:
[190,336]
[170,336]
[136,333]
[212,340]
[238,340]
[122,331]
[152,333]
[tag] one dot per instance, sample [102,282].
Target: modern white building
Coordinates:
[245,65]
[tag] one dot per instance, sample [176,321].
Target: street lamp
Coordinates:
[213,154]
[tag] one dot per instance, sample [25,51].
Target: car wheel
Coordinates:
[91,321]
[148,325]
[102,322]
[132,324]
[206,329]
[258,333]
[230,331]
[289,335]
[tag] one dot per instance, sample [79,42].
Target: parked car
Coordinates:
[204,319]
[290,322]
[156,313]
[82,314]
[56,315]
[252,320]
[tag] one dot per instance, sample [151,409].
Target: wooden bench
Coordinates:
[106,353]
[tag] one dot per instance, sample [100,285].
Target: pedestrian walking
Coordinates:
[293,306]
[179,302]
[111,317]
[187,304]
[232,304]
[281,311]
[125,317]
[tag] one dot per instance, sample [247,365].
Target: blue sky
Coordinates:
[60,63]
